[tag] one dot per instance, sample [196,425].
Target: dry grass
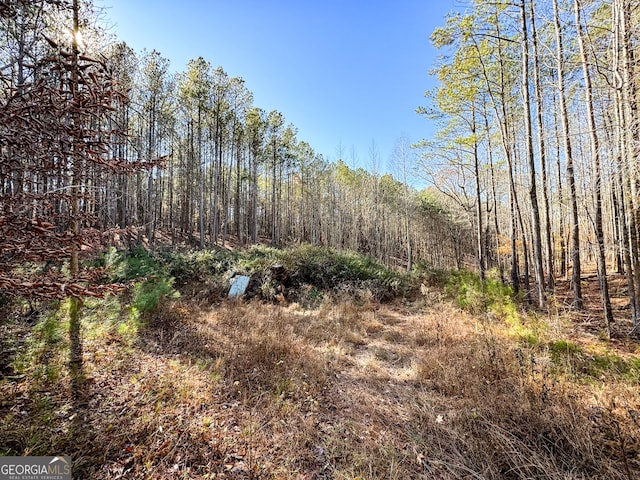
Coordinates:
[248,390]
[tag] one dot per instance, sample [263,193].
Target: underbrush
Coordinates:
[480,297]
[316,271]
[508,414]
[153,283]
[309,273]
[331,385]
[592,363]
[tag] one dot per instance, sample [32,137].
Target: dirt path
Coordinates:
[345,391]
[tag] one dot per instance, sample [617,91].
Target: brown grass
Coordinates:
[248,390]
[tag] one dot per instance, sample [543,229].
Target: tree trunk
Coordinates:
[75,341]
[476,166]
[500,109]
[595,155]
[578,302]
[201,173]
[628,105]
[533,190]
[543,152]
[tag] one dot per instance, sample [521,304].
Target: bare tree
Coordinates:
[578,302]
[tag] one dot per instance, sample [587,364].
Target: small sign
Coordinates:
[239,286]
[35,468]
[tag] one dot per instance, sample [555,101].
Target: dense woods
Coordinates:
[538,107]
[99,138]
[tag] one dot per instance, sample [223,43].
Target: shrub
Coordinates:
[155,283]
[309,269]
[257,259]
[197,265]
[476,296]
[147,295]
[347,272]
[321,269]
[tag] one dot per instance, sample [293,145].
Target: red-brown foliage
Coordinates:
[55,154]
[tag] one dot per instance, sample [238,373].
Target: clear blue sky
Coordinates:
[344,72]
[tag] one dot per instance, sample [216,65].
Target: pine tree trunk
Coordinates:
[543,152]
[75,341]
[476,166]
[578,302]
[533,190]
[595,154]
[628,103]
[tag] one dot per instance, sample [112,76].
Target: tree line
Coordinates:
[99,143]
[538,140]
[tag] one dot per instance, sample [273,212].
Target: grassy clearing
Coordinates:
[343,389]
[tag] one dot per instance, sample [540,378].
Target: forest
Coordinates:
[538,108]
[484,326]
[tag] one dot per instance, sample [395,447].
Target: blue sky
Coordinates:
[348,74]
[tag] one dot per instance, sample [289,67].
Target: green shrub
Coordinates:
[564,347]
[148,295]
[155,282]
[197,265]
[476,296]
[321,268]
[325,270]
[611,364]
[258,259]
[125,266]
[350,272]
